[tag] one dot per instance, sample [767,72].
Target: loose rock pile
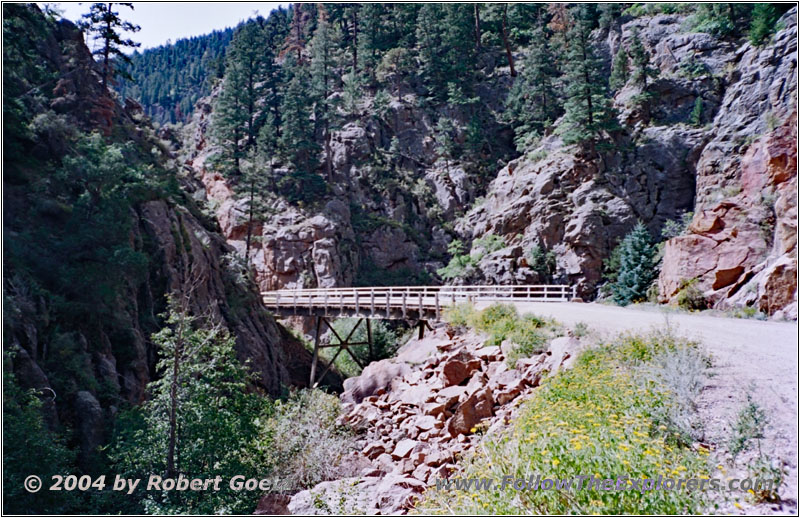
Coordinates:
[419,412]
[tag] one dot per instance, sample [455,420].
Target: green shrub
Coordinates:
[748,428]
[580,330]
[528,333]
[489,243]
[696,117]
[677,227]
[301,444]
[30,448]
[460,314]
[597,417]
[542,262]
[690,297]
[636,267]
[460,265]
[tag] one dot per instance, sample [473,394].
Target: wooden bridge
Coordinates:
[414,303]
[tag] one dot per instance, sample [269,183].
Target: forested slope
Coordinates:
[99,232]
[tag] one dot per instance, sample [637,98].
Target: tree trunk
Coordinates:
[107,48]
[355,40]
[506,42]
[328,152]
[477,27]
[173,400]
[250,221]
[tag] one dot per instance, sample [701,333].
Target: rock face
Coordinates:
[419,412]
[741,247]
[737,174]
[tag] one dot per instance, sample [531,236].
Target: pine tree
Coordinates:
[620,70]
[230,118]
[296,143]
[640,60]
[372,41]
[636,268]
[762,23]
[106,25]
[322,64]
[609,12]
[250,61]
[588,111]
[532,102]
[200,418]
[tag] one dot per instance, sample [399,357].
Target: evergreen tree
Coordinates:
[636,266]
[322,65]
[372,41]
[762,24]
[609,12]
[587,107]
[200,419]
[296,143]
[532,102]
[106,25]
[446,48]
[620,70]
[641,62]
[230,118]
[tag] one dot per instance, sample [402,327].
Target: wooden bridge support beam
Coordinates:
[343,345]
[422,325]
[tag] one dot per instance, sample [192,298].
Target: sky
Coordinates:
[163,21]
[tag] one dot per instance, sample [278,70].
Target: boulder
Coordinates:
[403,448]
[475,408]
[375,377]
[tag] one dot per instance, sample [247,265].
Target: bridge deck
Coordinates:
[402,302]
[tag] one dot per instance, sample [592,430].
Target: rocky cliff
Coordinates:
[741,247]
[731,164]
[737,173]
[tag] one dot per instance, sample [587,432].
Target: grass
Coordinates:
[598,418]
[529,334]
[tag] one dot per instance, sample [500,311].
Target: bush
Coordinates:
[489,243]
[680,369]
[461,264]
[301,444]
[690,297]
[30,448]
[677,227]
[460,314]
[542,262]
[597,417]
[636,267]
[528,333]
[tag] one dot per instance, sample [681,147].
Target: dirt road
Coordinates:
[745,353]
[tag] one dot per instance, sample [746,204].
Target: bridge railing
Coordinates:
[408,299]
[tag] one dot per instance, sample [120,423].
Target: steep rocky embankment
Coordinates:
[737,174]
[742,243]
[419,412]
